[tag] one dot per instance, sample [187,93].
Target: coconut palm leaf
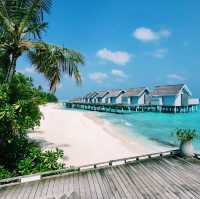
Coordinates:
[52,61]
[21,25]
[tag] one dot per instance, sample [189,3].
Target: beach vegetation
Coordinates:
[4,173]
[22,25]
[19,112]
[185,135]
[39,161]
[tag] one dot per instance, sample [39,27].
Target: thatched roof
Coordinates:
[169,90]
[115,93]
[135,91]
[102,94]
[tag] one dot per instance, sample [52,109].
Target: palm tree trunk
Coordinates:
[11,68]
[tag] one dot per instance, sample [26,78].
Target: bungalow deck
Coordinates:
[123,108]
[155,176]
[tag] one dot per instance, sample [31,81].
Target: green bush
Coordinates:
[4,173]
[184,135]
[38,161]
[19,111]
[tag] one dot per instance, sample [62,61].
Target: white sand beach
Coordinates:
[85,138]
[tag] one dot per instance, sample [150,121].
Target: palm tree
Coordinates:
[21,25]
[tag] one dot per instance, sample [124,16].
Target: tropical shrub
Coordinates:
[184,135]
[4,173]
[19,111]
[38,161]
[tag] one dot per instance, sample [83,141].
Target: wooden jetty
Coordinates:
[123,108]
[154,176]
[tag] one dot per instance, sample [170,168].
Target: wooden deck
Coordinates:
[124,108]
[154,178]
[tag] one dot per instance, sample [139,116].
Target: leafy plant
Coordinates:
[21,26]
[19,112]
[38,161]
[4,173]
[184,135]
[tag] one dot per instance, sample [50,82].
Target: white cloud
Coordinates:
[117,57]
[159,53]
[118,73]
[148,35]
[98,77]
[175,77]
[27,70]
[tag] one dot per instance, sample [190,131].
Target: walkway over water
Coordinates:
[152,178]
[124,108]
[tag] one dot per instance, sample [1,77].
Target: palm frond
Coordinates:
[34,16]
[52,61]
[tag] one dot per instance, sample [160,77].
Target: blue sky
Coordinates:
[126,43]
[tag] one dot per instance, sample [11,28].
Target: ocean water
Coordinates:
[158,127]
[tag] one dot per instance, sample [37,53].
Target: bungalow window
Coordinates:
[99,100]
[125,100]
[113,100]
[134,100]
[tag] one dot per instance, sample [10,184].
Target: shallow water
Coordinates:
[158,127]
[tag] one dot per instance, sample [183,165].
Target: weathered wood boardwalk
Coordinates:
[155,178]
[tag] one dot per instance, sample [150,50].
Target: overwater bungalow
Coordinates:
[90,97]
[114,96]
[136,96]
[101,97]
[172,95]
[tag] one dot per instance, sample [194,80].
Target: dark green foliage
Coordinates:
[38,161]
[4,173]
[19,111]
[46,97]
[184,135]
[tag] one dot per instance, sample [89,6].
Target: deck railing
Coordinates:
[50,174]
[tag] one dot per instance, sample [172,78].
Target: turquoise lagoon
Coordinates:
[158,127]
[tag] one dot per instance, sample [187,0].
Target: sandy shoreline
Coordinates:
[85,138]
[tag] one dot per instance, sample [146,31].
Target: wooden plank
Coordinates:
[91,185]
[111,184]
[114,181]
[83,194]
[68,185]
[96,185]
[154,182]
[139,177]
[76,191]
[174,181]
[39,189]
[102,185]
[45,189]
[120,182]
[86,185]
[177,190]
[182,178]
[28,190]
[129,182]
[9,192]
[187,172]
[50,187]
[33,190]
[106,184]
[161,181]
[58,187]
